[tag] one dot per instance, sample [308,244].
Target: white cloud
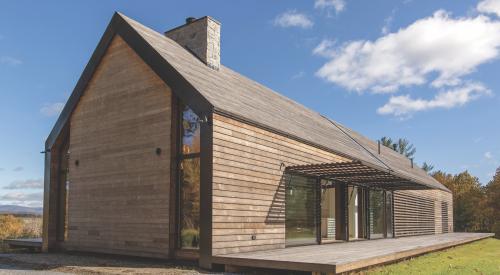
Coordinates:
[449,47]
[488,155]
[325,48]
[478,139]
[21,198]
[298,75]
[25,184]
[293,18]
[438,51]
[388,22]
[404,106]
[489,6]
[52,109]
[338,5]
[490,158]
[9,60]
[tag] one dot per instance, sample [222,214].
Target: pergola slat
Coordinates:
[356,173]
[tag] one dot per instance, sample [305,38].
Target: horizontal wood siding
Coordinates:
[119,191]
[419,212]
[248,187]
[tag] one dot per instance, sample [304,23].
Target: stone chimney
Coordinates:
[201,37]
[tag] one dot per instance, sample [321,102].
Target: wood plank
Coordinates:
[119,192]
[349,256]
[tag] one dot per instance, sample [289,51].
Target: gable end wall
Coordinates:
[119,192]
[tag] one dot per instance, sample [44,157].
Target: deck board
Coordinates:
[342,257]
[24,243]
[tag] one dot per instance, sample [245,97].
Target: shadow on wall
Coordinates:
[276,213]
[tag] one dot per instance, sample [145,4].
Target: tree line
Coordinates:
[476,207]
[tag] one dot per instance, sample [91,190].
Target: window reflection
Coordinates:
[189,177]
[191,132]
[354,213]
[376,214]
[62,227]
[190,202]
[388,213]
[327,210]
[300,211]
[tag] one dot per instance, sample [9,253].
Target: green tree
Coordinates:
[405,148]
[402,146]
[427,167]
[387,142]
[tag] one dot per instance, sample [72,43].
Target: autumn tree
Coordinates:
[468,195]
[493,203]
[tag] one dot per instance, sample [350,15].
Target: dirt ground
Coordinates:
[79,263]
[94,264]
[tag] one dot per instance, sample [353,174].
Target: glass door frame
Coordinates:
[384,215]
[342,215]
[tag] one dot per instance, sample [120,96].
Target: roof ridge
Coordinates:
[206,90]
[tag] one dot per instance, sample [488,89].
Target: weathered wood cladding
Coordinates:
[248,187]
[119,190]
[419,212]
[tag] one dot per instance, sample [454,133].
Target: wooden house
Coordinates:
[161,151]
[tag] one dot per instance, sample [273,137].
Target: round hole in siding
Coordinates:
[158,151]
[77,162]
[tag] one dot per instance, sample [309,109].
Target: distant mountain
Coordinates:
[16,209]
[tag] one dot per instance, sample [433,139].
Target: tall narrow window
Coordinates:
[189,180]
[63,190]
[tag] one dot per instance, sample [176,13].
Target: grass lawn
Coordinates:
[481,257]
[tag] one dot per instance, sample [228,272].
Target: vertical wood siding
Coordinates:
[119,192]
[419,212]
[248,184]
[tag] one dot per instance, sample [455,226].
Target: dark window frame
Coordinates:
[62,191]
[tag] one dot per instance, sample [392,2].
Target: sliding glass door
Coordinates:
[376,210]
[380,214]
[321,212]
[301,210]
[328,221]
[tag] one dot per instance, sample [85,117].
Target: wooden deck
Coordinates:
[349,256]
[34,243]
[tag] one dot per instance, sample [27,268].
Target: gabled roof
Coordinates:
[229,93]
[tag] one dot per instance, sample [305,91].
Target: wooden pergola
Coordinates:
[357,173]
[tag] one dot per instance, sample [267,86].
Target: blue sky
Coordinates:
[423,70]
